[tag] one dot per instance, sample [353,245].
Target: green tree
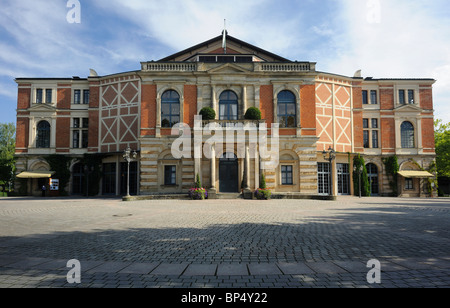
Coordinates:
[7,151]
[442,140]
[365,188]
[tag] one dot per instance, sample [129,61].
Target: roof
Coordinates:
[229,38]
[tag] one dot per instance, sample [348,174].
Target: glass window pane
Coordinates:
[401,96]
[39,96]
[76,96]
[365,97]
[48,96]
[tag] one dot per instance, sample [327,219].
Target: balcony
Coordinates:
[234,123]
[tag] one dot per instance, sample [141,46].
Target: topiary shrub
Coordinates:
[253,113]
[208,114]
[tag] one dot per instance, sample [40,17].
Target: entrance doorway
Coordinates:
[228,174]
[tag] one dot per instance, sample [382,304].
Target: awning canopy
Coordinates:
[415,174]
[35,174]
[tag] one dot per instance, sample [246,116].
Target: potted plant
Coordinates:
[263,193]
[198,192]
[207,114]
[253,113]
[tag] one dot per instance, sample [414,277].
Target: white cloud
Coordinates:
[411,40]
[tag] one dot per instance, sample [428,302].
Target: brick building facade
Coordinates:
[103,115]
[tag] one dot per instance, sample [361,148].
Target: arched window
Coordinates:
[407,133]
[228,106]
[287,109]
[170,109]
[372,175]
[43,135]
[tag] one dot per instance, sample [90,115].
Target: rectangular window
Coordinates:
[365,97]
[365,123]
[323,178]
[366,139]
[85,122]
[401,97]
[76,123]
[410,96]
[343,173]
[286,175]
[375,139]
[39,94]
[86,95]
[373,97]
[76,139]
[409,184]
[77,97]
[170,175]
[374,123]
[109,179]
[85,139]
[48,96]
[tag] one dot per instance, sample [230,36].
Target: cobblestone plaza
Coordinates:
[224,243]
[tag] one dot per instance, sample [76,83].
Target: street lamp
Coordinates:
[359,170]
[129,157]
[329,156]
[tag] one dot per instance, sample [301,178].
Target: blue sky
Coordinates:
[383,38]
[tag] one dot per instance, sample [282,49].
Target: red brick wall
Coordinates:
[266,104]
[22,134]
[148,109]
[190,104]
[388,135]
[308,109]
[93,130]
[386,98]
[62,134]
[426,98]
[24,98]
[63,97]
[358,141]
[94,95]
[428,135]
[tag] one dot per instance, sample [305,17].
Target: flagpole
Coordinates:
[224,41]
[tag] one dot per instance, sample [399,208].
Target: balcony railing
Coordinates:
[258,67]
[169,66]
[285,67]
[234,123]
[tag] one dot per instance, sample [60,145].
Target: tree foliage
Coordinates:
[7,151]
[442,140]
[365,188]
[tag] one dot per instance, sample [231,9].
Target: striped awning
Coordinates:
[35,174]
[415,174]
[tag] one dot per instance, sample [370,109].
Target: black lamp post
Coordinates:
[329,156]
[129,157]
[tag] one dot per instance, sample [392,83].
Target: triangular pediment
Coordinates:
[228,68]
[42,108]
[408,108]
[233,46]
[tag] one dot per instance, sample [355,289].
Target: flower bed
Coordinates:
[198,194]
[263,194]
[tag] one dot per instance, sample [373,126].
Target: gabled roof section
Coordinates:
[214,46]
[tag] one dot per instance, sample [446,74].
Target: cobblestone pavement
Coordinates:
[225,243]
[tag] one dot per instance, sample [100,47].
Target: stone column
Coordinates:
[247,191]
[212,194]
